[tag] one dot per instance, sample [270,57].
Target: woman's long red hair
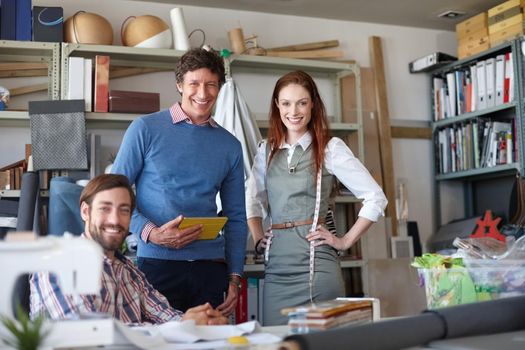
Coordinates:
[318,125]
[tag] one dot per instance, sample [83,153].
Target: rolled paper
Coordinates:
[180,37]
[237,40]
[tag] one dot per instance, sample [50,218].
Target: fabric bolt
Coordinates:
[64,207]
[125,295]
[58,134]
[178,168]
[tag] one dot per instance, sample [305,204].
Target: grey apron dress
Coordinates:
[291,198]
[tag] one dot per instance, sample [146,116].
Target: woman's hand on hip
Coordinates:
[261,244]
[322,236]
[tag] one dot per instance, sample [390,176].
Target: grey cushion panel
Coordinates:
[58,134]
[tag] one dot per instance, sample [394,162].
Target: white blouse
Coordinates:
[339,161]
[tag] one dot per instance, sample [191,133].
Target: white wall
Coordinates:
[408,95]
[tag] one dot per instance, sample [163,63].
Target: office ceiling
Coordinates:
[412,13]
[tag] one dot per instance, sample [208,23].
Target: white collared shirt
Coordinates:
[339,161]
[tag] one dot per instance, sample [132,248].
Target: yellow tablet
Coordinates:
[212,225]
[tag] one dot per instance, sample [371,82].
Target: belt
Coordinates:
[291,224]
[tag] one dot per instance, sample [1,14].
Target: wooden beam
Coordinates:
[24,73]
[9,66]
[370,127]
[405,132]
[121,72]
[307,54]
[308,46]
[116,73]
[28,89]
[385,137]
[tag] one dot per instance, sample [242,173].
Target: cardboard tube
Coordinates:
[237,40]
[180,37]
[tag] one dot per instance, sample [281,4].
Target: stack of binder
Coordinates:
[483,84]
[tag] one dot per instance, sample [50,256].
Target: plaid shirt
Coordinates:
[126,295]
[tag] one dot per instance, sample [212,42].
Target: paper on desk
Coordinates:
[214,337]
[140,337]
[254,339]
[188,332]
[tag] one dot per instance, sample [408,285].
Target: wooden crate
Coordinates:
[499,26]
[506,34]
[470,49]
[479,36]
[504,7]
[502,16]
[473,43]
[472,25]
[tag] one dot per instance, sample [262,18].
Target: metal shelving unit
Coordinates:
[514,109]
[31,51]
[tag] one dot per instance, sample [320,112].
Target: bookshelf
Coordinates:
[478,147]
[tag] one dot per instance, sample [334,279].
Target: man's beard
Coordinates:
[108,242]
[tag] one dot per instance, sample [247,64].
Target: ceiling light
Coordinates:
[451,14]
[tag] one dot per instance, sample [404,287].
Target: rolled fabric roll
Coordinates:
[64,207]
[27,205]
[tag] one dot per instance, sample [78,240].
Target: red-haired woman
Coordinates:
[292,179]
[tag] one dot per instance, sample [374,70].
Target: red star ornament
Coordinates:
[488,227]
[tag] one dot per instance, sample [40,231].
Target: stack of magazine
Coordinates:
[331,313]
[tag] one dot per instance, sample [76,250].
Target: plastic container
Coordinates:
[480,280]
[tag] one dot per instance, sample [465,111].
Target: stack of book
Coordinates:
[331,313]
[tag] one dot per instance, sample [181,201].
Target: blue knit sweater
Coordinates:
[179,169]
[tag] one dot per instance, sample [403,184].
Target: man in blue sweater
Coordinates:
[179,159]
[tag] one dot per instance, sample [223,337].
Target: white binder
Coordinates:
[481,102]
[490,68]
[500,79]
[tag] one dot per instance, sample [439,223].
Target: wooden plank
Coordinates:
[308,46]
[116,73]
[28,89]
[370,127]
[404,132]
[307,54]
[385,137]
[121,72]
[9,66]
[24,73]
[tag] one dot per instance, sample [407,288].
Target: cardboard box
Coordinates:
[507,34]
[506,23]
[480,280]
[505,6]
[471,25]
